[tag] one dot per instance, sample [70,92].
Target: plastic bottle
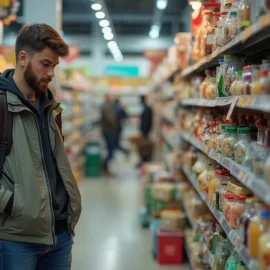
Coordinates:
[220,78]
[261,86]
[244,220]
[218,236]
[244,13]
[220,26]
[223,252]
[233,261]
[257,227]
[220,138]
[264,251]
[231,28]
[237,209]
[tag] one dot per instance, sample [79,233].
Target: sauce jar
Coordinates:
[229,141]
[228,202]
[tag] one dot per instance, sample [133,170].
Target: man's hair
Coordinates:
[36,37]
[143,99]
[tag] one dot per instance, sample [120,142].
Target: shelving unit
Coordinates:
[231,233]
[258,186]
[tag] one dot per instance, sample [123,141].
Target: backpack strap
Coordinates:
[6,125]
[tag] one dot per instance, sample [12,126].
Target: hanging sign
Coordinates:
[8,10]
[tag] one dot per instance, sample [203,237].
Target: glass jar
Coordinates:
[245,218]
[229,141]
[231,65]
[237,85]
[261,86]
[257,227]
[220,31]
[223,252]
[208,178]
[264,251]
[218,236]
[220,138]
[209,233]
[228,202]
[244,13]
[242,150]
[215,38]
[207,41]
[260,155]
[207,81]
[231,28]
[222,176]
[226,5]
[247,77]
[211,89]
[237,209]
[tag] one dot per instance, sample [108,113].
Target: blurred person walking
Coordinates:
[109,127]
[145,145]
[121,117]
[40,203]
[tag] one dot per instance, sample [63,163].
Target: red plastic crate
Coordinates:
[170,247]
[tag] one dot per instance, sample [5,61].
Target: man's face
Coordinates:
[39,71]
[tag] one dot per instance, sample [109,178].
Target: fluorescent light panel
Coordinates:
[162,4]
[96,6]
[100,15]
[104,23]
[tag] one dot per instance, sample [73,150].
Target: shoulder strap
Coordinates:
[6,125]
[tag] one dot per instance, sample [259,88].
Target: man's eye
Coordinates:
[46,65]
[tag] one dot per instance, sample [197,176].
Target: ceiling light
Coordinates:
[162,4]
[154,32]
[100,15]
[119,59]
[108,36]
[96,6]
[106,30]
[195,4]
[112,44]
[104,23]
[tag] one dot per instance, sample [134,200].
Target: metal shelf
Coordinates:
[250,41]
[260,103]
[258,186]
[231,233]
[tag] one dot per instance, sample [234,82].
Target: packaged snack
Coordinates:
[237,209]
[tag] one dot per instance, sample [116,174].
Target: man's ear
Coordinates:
[23,58]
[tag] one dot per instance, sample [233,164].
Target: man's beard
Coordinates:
[34,82]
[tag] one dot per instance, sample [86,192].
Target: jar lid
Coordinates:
[231,129]
[239,73]
[223,127]
[228,4]
[222,172]
[233,13]
[264,72]
[243,130]
[265,214]
[246,68]
[229,195]
[240,197]
[221,60]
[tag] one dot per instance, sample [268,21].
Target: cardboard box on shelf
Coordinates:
[164,192]
[172,220]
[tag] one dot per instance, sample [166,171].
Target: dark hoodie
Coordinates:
[58,191]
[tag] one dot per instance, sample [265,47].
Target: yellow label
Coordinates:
[206,149]
[247,33]
[249,101]
[265,20]
[242,101]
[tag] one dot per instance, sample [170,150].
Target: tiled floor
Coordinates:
[108,236]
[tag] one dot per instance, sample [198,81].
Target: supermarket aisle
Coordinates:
[108,236]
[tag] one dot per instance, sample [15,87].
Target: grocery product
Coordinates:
[211,89]
[209,176]
[220,78]
[217,237]
[242,150]
[229,200]
[233,261]
[220,138]
[264,251]
[213,135]
[257,227]
[229,141]
[223,252]
[226,5]
[208,35]
[231,65]
[220,194]
[237,188]
[245,219]
[207,81]
[247,79]
[244,13]
[260,155]
[231,26]
[237,87]
[221,29]
[261,86]
[237,209]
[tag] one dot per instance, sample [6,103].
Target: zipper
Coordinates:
[48,184]
[69,225]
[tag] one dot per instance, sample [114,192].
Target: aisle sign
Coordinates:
[121,71]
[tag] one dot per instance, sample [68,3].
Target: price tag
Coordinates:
[249,100]
[233,104]
[206,149]
[236,171]
[243,176]
[264,21]
[242,101]
[231,235]
[247,33]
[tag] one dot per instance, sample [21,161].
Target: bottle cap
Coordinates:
[233,13]
[247,68]
[231,129]
[265,214]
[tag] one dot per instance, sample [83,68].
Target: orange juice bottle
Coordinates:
[264,251]
[257,227]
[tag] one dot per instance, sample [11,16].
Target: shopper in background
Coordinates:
[121,117]
[145,145]
[40,202]
[109,128]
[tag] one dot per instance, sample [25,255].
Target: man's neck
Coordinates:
[26,90]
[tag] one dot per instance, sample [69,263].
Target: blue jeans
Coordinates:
[27,256]
[111,141]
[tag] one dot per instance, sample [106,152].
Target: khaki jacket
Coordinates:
[24,174]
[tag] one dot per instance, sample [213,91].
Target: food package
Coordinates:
[172,220]
[164,192]
[152,168]
[237,188]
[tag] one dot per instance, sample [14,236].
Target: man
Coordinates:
[145,145]
[40,202]
[109,130]
[121,117]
